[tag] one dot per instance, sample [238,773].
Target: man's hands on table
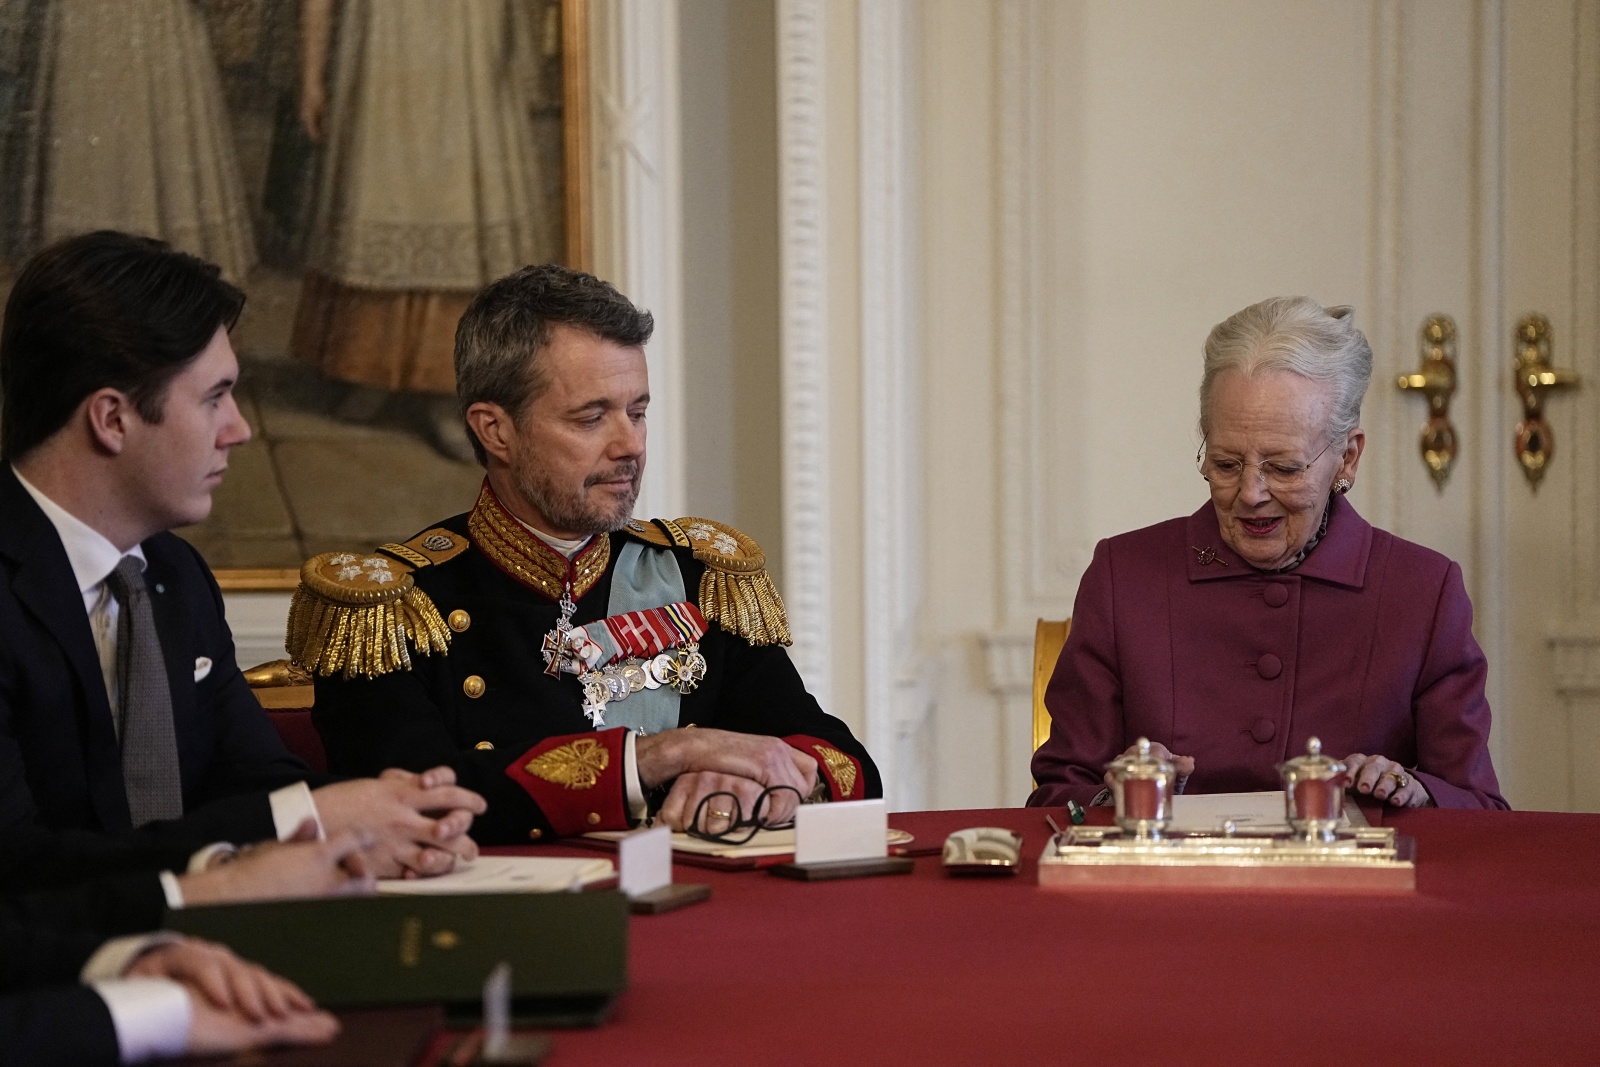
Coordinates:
[298,868]
[234,1004]
[418,822]
[701,762]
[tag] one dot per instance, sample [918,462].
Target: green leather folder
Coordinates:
[568,951]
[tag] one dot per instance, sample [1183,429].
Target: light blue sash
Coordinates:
[641,580]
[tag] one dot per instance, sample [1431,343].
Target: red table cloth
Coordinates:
[1494,959]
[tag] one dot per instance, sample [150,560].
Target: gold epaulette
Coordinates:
[362,614]
[736,592]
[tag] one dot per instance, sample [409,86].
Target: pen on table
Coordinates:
[1075,810]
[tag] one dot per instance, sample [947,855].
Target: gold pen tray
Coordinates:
[1360,860]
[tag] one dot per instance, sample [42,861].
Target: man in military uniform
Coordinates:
[576,666]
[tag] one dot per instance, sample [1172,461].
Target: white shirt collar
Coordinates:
[566,548]
[91,555]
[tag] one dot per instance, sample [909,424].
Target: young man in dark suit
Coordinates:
[121,705]
[81,983]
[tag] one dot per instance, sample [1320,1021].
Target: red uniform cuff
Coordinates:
[841,770]
[576,780]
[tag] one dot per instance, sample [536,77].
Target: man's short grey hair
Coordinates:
[1299,335]
[507,324]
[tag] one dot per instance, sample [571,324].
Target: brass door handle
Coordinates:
[1535,379]
[1436,381]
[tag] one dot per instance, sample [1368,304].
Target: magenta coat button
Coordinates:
[1269,666]
[1264,730]
[1275,595]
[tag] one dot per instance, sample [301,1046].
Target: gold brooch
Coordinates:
[1208,555]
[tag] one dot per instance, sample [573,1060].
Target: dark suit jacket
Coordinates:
[60,764]
[64,1026]
[1367,645]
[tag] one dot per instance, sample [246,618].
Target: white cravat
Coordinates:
[566,548]
[93,558]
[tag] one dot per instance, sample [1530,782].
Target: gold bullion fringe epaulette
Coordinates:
[736,592]
[360,614]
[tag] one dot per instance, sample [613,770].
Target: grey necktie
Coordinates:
[149,742]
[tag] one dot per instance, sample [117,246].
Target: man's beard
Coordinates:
[566,510]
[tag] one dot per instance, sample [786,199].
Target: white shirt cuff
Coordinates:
[151,1017]
[633,789]
[114,957]
[171,890]
[291,806]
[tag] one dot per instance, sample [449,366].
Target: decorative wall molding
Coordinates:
[637,208]
[1583,350]
[891,394]
[1043,553]
[1008,662]
[802,213]
[1575,663]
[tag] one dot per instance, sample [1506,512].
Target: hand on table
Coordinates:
[419,822]
[235,1004]
[1384,779]
[1183,764]
[719,814]
[300,867]
[767,761]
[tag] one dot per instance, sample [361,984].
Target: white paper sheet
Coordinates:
[1256,812]
[507,874]
[765,843]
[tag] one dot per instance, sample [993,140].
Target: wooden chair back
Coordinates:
[1049,635]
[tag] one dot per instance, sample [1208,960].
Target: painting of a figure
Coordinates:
[359,167]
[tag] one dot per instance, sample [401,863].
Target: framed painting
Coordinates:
[360,168]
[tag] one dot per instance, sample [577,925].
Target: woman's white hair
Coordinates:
[1299,335]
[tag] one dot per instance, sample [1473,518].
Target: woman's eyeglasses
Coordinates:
[1282,476]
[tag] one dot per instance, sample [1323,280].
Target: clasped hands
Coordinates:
[700,762]
[417,822]
[1377,776]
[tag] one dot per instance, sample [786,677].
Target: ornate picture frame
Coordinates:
[360,168]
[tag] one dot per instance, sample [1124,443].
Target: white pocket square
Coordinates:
[202,667]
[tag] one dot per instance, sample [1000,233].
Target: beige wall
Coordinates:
[730,265]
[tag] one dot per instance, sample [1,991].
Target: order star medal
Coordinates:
[596,694]
[554,649]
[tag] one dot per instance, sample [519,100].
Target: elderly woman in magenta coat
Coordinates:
[1275,613]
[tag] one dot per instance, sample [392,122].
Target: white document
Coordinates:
[645,860]
[507,874]
[1255,812]
[765,843]
[846,830]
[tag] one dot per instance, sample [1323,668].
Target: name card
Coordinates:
[848,830]
[645,860]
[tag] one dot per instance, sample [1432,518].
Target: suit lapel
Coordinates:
[44,585]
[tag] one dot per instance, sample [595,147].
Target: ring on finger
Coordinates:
[721,814]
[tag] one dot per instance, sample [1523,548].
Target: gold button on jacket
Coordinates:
[473,686]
